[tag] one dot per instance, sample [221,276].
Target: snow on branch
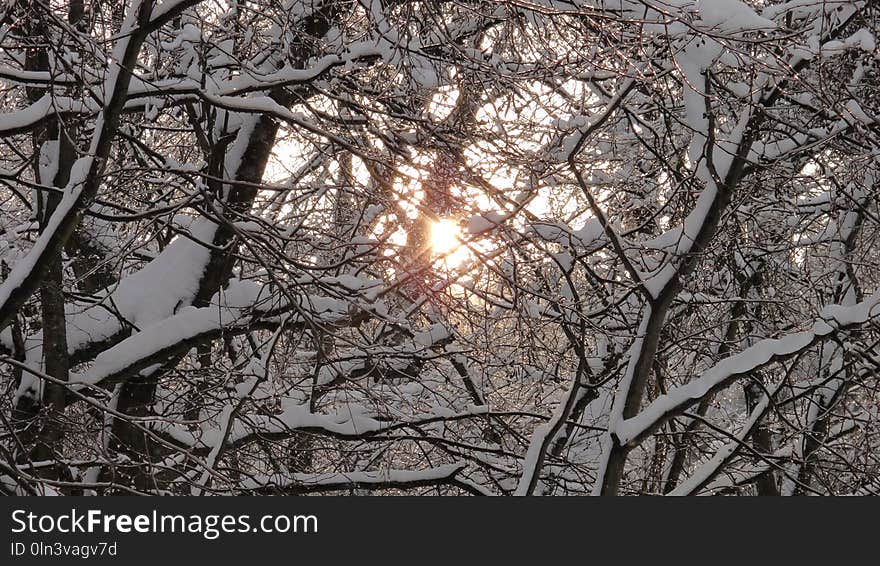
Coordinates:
[338,481]
[831,320]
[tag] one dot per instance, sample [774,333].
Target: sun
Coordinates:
[444,236]
[446,241]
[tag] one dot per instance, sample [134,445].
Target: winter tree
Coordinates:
[443,247]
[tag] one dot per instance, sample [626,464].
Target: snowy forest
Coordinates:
[464,247]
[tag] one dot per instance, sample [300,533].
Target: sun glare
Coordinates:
[446,241]
[444,236]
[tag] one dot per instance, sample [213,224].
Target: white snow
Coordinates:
[590,235]
[731,16]
[430,336]
[484,222]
